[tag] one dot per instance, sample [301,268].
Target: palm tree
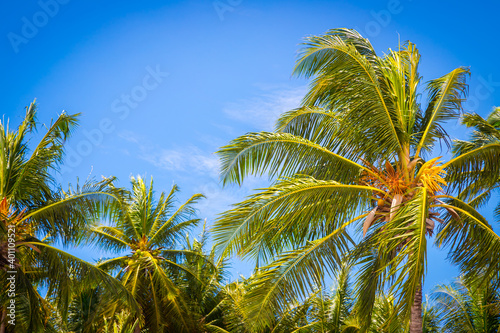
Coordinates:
[232,306]
[333,313]
[356,153]
[121,324]
[145,235]
[430,317]
[385,317]
[322,312]
[90,312]
[486,136]
[201,287]
[35,213]
[471,308]
[84,310]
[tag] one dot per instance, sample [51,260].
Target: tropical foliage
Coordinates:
[144,235]
[358,153]
[485,136]
[35,215]
[466,307]
[357,195]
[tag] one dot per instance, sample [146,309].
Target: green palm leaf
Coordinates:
[308,198]
[446,95]
[292,275]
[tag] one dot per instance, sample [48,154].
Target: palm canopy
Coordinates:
[28,178]
[42,213]
[333,312]
[468,307]
[485,138]
[353,154]
[202,290]
[477,171]
[198,281]
[322,311]
[145,234]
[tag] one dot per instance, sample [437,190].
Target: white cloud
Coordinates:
[129,136]
[182,159]
[191,160]
[165,159]
[262,111]
[219,199]
[178,158]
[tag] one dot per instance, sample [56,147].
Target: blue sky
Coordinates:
[162,84]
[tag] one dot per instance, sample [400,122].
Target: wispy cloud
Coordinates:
[187,161]
[263,110]
[177,158]
[196,169]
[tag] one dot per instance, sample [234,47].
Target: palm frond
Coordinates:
[109,238]
[241,226]
[282,154]
[468,307]
[446,95]
[311,123]
[293,275]
[182,218]
[476,169]
[411,260]
[65,214]
[67,273]
[347,77]
[474,245]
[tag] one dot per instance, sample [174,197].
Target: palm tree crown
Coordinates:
[356,152]
[466,307]
[484,141]
[146,235]
[42,213]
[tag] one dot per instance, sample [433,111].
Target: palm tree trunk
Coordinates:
[416,312]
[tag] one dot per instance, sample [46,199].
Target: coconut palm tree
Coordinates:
[430,317]
[333,313]
[321,311]
[486,136]
[35,213]
[471,308]
[356,153]
[90,312]
[85,310]
[145,234]
[199,282]
[202,288]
